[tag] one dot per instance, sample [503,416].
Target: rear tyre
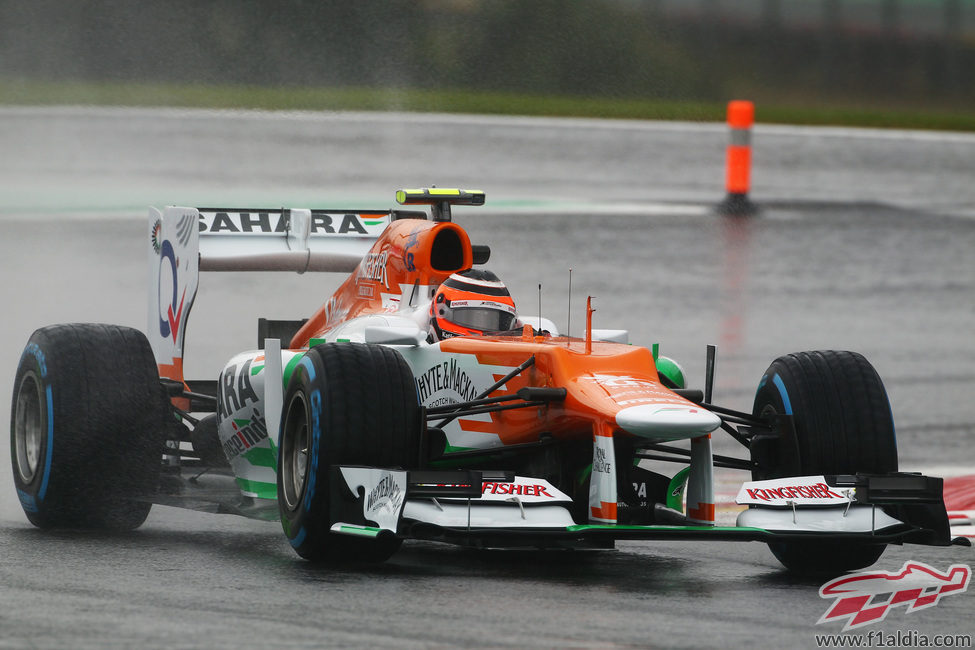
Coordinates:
[346,404]
[843,425]
[86,427]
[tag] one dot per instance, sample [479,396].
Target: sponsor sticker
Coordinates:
[157,236]
[269,222]
[373,267]
[446,376]
[236,390]
[603,498]
[798,490]
[384,494]
[467,304]
[599,462]
[247,434]
[618,381]
[628,390]
[527,490]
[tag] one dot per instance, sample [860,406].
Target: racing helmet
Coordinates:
[471,302]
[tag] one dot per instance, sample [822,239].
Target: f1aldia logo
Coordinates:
[865,598]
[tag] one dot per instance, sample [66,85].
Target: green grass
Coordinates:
[31,93]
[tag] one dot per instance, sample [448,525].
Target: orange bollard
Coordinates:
[741,116]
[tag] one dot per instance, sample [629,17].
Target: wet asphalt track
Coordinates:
[865,242]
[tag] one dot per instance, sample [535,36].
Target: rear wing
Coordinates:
[286,240]
[185,241]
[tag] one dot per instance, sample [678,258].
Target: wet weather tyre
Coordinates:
[843,425]
[86,427]
[346,404]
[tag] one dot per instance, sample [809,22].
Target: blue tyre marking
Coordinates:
[50,442]
[299,538]
[316,431]
[761,385]
[309,366]
[27,501]
[316,402]
[783,394]
[35,351]
[893,428]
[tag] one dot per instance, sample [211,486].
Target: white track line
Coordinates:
[513,121]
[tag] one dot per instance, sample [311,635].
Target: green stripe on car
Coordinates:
[261,456]
[261,489]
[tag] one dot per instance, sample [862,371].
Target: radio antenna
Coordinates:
[539,307]
[568,317]
[589,311]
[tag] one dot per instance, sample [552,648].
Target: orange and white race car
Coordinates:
[418,403]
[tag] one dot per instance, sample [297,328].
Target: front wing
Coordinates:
[501,510]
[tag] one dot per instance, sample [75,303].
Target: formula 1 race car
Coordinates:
[369,423]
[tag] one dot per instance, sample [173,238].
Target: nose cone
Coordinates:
[667,421]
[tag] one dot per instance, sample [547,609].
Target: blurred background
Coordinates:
[873,62]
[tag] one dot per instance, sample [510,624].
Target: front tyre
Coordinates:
[843,425]
[346,404]
[86,427]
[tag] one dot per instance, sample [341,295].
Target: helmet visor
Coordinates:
[484,319]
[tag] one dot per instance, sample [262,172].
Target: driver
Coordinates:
[471,302]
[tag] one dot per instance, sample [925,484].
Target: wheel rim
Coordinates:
[28,428]
[294,452]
